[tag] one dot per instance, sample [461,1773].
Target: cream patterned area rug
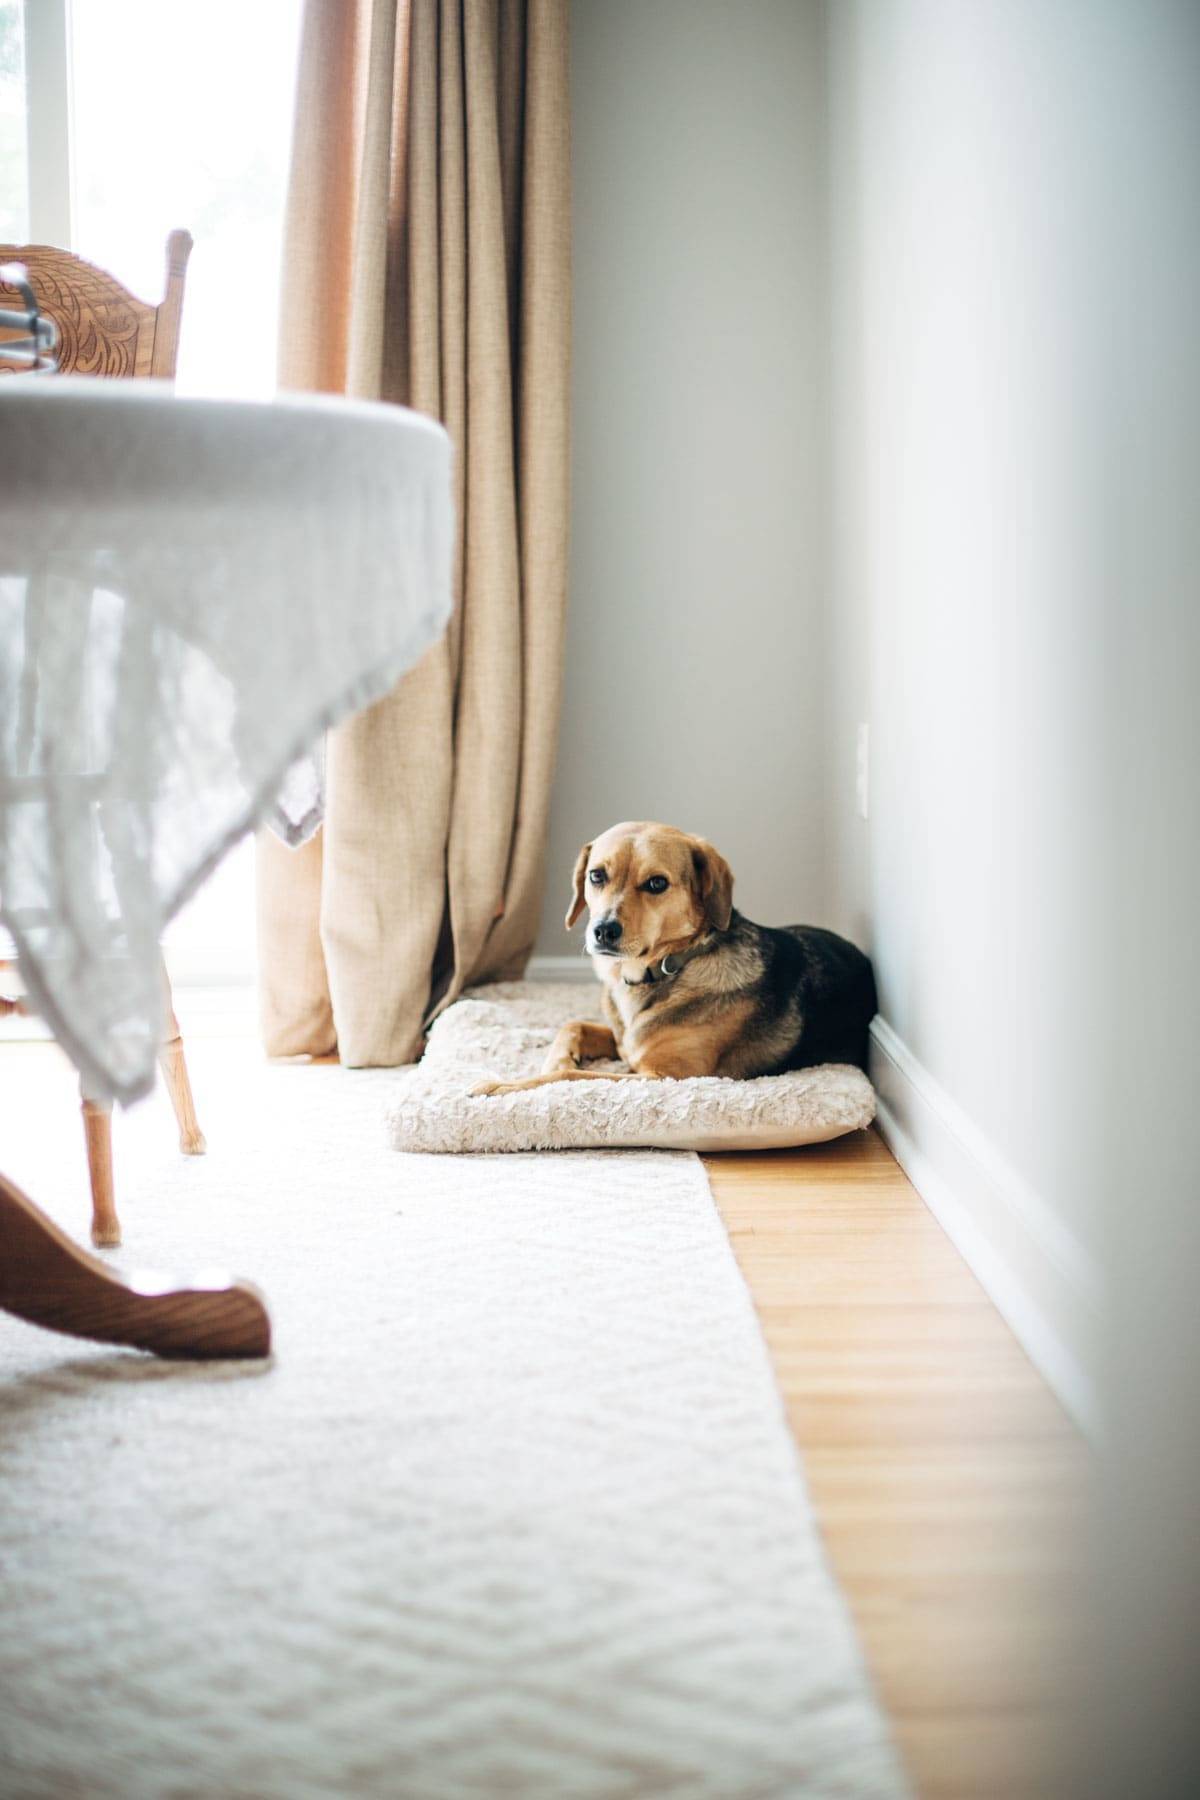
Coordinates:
[513,1512]
[502,1033]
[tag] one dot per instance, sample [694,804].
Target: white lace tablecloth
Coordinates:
[191,591]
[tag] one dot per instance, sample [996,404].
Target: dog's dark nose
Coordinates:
[607,932]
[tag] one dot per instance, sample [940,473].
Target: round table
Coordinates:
[191,592]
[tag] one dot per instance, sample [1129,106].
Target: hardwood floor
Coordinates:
[948,1482]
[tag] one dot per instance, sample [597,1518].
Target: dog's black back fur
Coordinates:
[835,986]
[812,995]
[797,995]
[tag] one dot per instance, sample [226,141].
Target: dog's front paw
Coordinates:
[483,1088]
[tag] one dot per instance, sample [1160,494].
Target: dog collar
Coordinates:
[668,968]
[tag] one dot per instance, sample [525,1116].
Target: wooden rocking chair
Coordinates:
[105,330]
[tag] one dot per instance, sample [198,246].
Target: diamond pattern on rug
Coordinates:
[513,1512]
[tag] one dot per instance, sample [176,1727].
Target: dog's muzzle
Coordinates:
[606,933]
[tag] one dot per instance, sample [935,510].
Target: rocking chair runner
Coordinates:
[105,330]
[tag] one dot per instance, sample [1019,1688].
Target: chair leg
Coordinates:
[97,1135]
[10,1006]
[97,1123]
[97,1131]
[174,1068]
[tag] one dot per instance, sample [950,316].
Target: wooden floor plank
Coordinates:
[948,1482]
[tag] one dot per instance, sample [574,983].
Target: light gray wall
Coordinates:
[695,659]
[1013,603]
[1015,256]
[977,182]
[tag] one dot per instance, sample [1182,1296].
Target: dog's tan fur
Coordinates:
[697,900]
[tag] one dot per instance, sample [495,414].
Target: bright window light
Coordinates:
[181,116]
[14,173]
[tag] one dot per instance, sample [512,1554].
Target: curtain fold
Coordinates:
[427,262]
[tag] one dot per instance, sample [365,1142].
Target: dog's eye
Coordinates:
[657,884]
[598,877]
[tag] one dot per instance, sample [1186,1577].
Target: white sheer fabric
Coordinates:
[191,591]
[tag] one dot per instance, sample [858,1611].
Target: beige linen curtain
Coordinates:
[427,262]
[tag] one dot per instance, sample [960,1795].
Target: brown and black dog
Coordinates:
[690,986]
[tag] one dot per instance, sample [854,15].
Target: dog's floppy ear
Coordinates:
[577,900]
[714,880]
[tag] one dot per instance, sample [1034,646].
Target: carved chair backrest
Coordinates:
[103,329]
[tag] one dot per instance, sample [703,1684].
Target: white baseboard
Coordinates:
[1034,1270]
[200,965]
[559,968]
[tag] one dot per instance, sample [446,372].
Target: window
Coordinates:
[181,115]
[141,116]
[14,173]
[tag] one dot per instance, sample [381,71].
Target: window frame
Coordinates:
[49,170]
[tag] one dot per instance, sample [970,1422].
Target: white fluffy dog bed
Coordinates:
[503,1032]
